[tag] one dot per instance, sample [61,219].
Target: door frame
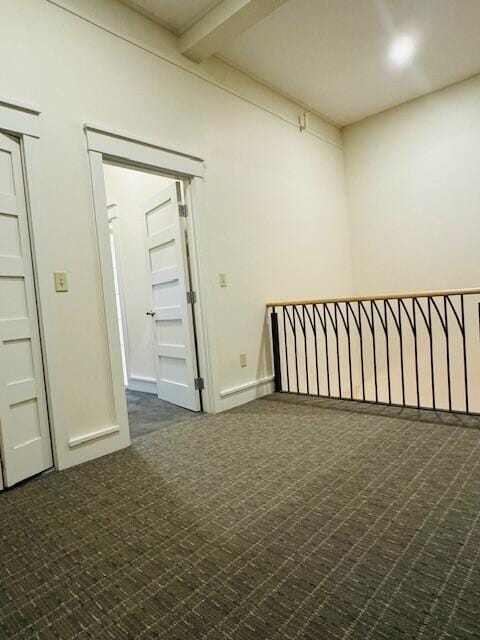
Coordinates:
[106,145]
[113,225]
[22,121]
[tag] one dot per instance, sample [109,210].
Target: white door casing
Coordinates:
[24,431]
[171,313]
[115,246]
[129,150]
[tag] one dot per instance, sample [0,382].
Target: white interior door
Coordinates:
[24,433]
[172,318]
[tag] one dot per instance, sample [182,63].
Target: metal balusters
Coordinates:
[378,347]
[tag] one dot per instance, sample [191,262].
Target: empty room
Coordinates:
[239,319]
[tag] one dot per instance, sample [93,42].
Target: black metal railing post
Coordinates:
[276,350]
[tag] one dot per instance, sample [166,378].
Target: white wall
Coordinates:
[413,176]
[413,183]
[275,198]
[129,190]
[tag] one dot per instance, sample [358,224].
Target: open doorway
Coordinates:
[149,248]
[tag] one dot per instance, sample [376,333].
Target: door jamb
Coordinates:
[103,145]
[113,221]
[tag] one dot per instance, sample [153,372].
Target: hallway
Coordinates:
[147,413]
[285,518]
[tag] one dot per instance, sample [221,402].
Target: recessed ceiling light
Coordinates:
[402,51]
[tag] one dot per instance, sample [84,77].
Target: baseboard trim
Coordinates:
[243,387]
[243,393]
[93,435]
[143,384]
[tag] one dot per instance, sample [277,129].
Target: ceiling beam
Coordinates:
[224,22]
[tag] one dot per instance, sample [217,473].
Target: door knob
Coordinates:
[151,313]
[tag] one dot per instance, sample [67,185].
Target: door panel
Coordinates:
[172,318]
[24,433]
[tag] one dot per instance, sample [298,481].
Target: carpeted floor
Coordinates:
[147,413]
[285,518]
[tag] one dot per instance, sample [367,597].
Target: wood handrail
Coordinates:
[390,296]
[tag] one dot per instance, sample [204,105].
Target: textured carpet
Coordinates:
[285,518]
[146,413]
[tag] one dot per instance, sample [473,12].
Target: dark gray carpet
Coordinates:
[285,518]
[146,413]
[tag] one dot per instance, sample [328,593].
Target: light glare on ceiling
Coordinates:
[402,50]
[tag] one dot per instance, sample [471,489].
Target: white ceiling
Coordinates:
[332,55]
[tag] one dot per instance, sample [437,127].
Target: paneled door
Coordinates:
[24,432]
[171,308]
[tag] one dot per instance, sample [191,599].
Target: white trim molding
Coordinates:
[93,435]
[126,151]
[19,118]
[117,145]
[143,384]
[19,106]
[235,396]
[244,387]
[114,357]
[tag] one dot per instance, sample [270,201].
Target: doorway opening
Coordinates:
[154,298]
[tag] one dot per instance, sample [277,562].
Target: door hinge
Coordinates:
[199,384]
[182,210]
[191,297]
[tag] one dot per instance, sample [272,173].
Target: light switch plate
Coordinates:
[243,359]
[223,279]
[61,281]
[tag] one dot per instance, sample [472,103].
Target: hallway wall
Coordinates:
[275,203]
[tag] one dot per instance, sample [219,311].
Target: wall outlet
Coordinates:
[61,281]
[243,359]
[223,279]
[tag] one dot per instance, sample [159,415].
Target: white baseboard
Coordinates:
[143,384]
[229,398]
[93,435]
[235,396]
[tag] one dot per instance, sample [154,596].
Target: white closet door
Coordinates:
[24,432]
[172,319]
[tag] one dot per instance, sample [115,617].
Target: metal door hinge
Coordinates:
[182,210]
[199,384]
[191,297]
